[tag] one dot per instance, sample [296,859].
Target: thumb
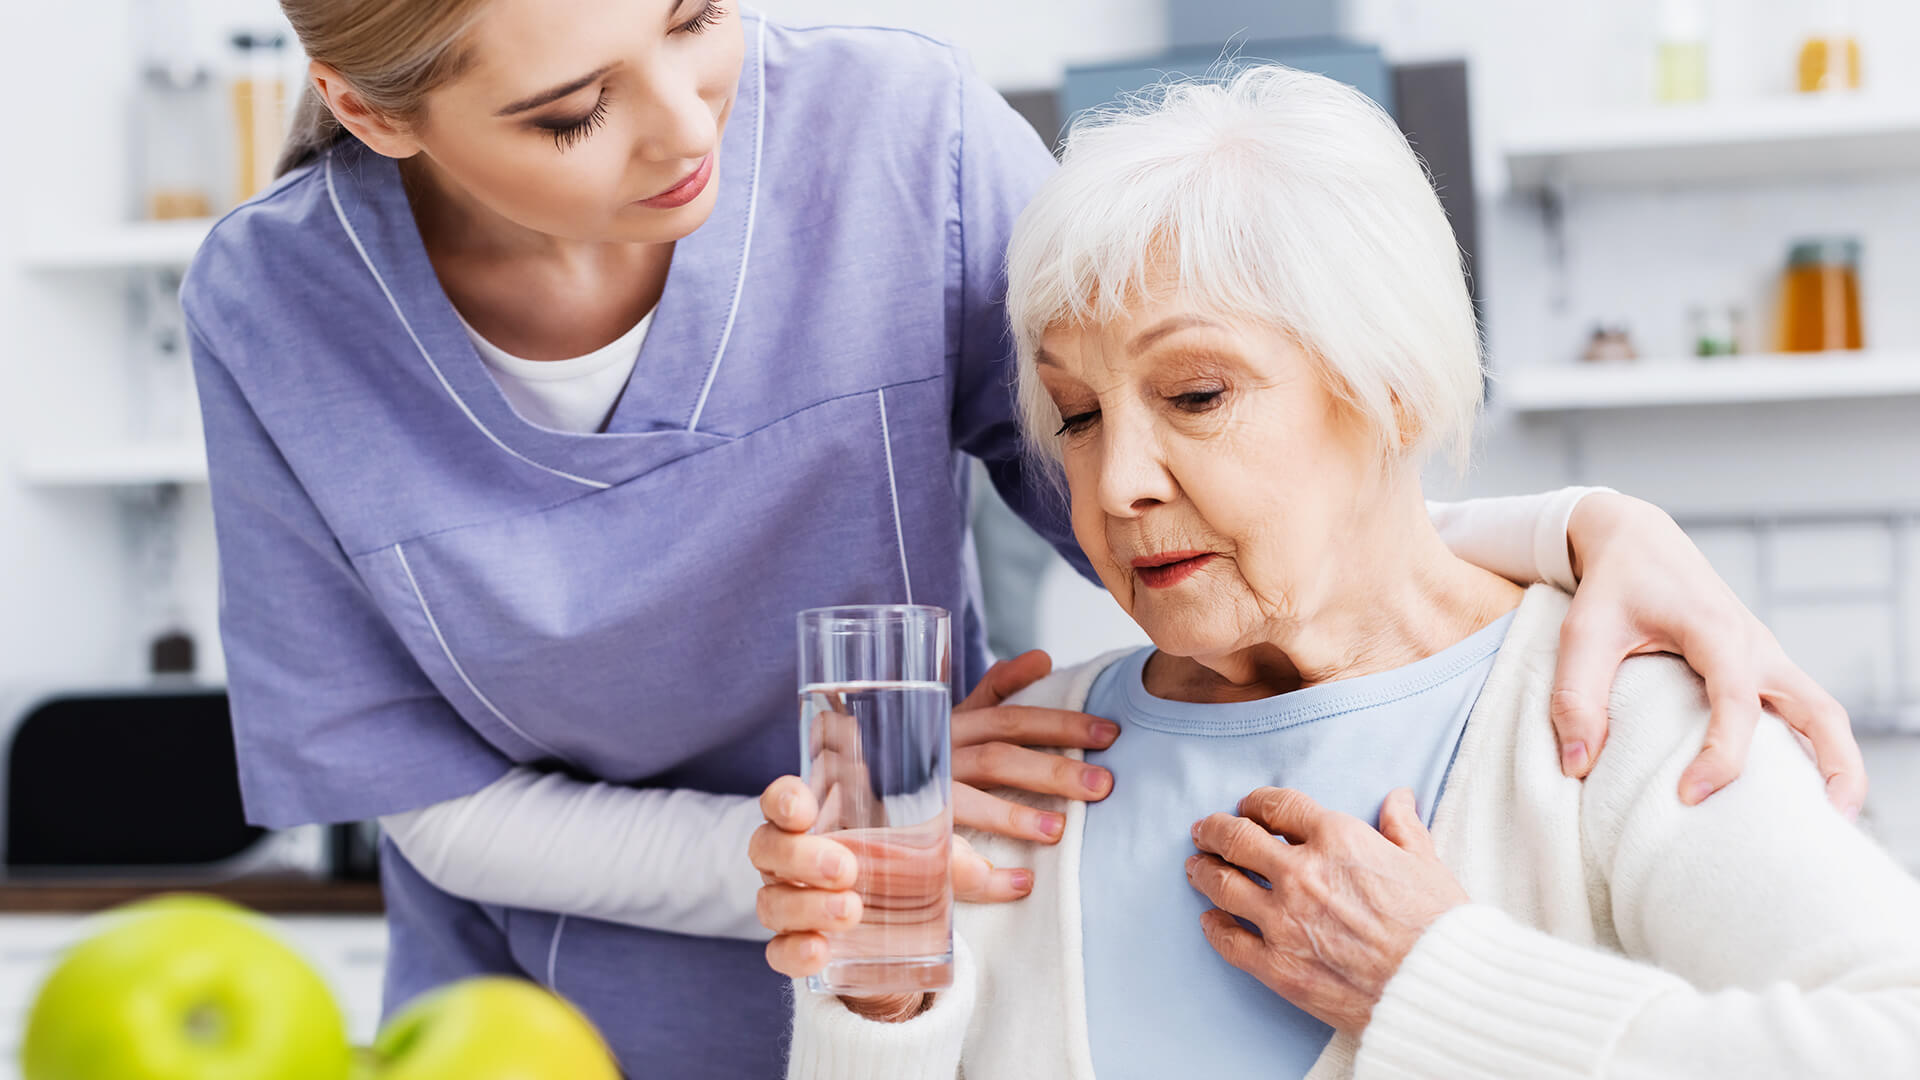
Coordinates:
[1007,678]
[975,880]
[1400,823]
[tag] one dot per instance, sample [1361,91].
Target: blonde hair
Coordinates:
[1274,195]
[393,52]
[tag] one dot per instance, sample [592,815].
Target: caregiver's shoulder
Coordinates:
[853,71]
[277,245]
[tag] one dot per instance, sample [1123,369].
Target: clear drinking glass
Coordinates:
[876,747]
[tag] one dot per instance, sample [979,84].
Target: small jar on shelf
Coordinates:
[1820,296]
[1830,54]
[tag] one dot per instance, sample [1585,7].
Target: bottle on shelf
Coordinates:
[1681,53]
[259,95]
[1830,55]
[1820,296]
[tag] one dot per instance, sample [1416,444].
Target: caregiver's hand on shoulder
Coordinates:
[1645,588]
[1347,903]
[991,749]
[810,887]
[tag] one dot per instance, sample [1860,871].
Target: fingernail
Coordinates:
[1195,831]
[1106,731]
[1051,825]
[1191,862]
[837,906]
[1698,791]
[786,805]
[832,865]
[1850,811]
[1094,778]
[1573,758]
[1023,880]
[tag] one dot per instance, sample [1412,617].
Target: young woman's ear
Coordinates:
[381,133]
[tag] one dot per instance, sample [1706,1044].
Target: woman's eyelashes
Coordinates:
[1076,423]
[569,133]
[708,16]
[1196,401]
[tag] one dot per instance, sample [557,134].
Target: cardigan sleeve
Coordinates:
[831,1042]
[1523,538]
[1763,935]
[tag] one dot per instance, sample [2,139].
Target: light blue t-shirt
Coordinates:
[1160,1001]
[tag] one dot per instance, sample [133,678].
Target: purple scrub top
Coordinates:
[420,589]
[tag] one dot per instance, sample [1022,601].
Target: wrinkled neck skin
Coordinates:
[1389,593]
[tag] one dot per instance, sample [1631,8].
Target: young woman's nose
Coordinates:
[676,122]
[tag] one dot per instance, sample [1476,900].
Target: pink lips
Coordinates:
[1170,569]
[686,190]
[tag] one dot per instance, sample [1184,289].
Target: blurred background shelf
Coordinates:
[1748,141]
[123,465]
[1652,383]
[134,245]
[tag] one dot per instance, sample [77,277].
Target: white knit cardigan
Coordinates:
[1612,933]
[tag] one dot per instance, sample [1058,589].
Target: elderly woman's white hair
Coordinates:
[1275,195]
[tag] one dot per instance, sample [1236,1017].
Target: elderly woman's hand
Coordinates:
[1645,588]
[1347,902]
[810,881]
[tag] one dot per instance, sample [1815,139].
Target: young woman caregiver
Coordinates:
[583,344]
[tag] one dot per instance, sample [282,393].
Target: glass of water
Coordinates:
[876,747]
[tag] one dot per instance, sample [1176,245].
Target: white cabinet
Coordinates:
[350,952]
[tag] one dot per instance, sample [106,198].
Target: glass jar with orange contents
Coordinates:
[1820,296]
[1830,55]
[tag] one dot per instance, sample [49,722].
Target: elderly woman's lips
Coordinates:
[1158,573]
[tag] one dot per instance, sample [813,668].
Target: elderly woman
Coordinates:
[1242,329]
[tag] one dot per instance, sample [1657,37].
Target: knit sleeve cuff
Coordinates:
[1481,995]
[831,1042]
[1552,548]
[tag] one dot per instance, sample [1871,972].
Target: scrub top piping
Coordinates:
[434,625]
[893,490]
[753,205]
[340,212]
[553,954]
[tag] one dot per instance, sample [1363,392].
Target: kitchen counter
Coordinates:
[272,896]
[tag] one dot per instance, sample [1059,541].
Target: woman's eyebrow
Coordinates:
[555,93]
[1167,326]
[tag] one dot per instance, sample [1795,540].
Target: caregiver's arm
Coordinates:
[662,859]
[1645,588]
[1767,936]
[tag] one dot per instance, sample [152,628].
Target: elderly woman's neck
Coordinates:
[1398,596]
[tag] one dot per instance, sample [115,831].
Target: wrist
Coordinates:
[1596,518]
[889,1008]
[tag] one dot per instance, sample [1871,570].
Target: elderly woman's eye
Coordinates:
[1078,422]
[1197,401]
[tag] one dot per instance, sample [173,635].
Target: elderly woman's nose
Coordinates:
[1133,476]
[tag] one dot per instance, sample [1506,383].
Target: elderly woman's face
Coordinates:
[1213,473]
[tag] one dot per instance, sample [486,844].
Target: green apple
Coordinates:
[491,1028]
[184,988]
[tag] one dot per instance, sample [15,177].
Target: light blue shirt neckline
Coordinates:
[1160,1001]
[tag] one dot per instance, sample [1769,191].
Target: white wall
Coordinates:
[1016,44]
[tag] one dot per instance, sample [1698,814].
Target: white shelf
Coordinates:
[124,465]
[1810,377]
[142,244]
[1770,138]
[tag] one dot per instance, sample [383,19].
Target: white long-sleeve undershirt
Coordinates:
[676,860]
